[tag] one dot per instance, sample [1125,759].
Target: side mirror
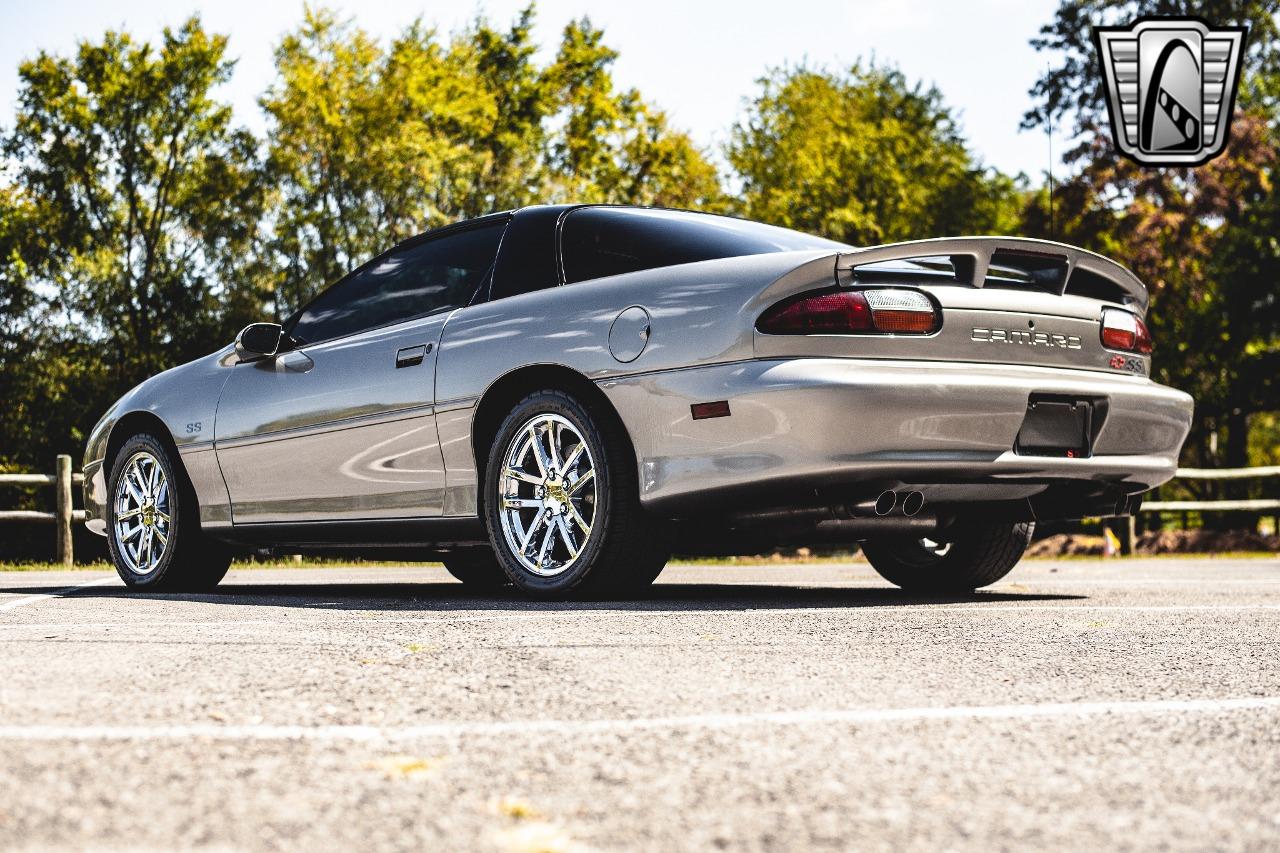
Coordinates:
[258,340]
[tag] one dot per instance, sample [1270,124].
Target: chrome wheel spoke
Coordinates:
[539,452]
[578,519]
[140,479]
[581,481]
[522,476]
[138,498]
[570,462]
[553,442]
[128,514]
[521,503]
[530,531]
[566,536]
[548,539]
[153,482]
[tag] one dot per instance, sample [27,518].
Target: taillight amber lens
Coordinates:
[902,312]
[1124,331]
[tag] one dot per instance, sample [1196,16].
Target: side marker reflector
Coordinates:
[718,409]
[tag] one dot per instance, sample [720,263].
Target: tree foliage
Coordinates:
[143,191]
[128,203]
[372,145]
[864,157]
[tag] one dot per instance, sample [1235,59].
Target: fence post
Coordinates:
[64,511]
[1128,535]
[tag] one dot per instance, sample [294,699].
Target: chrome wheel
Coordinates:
[548,495]
[142,513]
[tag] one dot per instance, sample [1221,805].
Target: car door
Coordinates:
[341,426]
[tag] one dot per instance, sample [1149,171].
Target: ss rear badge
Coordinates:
[1128,364]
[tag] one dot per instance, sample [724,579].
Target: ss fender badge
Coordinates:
[1050,340]
[1126,363]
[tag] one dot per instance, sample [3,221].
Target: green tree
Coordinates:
[146,195]
[864,157]
[371,145]
[613,147]
[367,146]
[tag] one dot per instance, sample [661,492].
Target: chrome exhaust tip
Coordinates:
[887,500]
[912,503]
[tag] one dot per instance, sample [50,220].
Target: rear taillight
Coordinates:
[1124,331]
[851,312]
[818,313]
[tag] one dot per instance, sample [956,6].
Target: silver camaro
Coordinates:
[558,397]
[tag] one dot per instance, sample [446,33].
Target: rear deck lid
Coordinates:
[1002,300]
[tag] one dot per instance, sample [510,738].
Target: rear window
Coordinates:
[603,241]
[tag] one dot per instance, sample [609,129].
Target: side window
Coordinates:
[527,260]
[439,273]
[601,241]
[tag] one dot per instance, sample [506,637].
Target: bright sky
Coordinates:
[698,59]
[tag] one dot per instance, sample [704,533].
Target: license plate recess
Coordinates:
[1055,426]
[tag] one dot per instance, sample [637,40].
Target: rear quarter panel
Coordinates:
[700,314]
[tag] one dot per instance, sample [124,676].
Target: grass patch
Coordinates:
[763,560]
[1181,555]
[281,563]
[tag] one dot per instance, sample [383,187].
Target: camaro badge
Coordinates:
[1171,87]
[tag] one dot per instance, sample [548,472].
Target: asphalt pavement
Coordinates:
[1078,704]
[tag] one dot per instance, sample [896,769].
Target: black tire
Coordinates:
[190,561]
[478,568]
[625,548]
[977,556]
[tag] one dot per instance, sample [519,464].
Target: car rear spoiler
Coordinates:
[1041,264]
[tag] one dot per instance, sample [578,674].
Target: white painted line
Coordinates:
[1208,581]
[1022,585]
[854,716]
[1105,608]
[32,599]
[569,615]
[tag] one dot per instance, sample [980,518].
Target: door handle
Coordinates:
[410,356]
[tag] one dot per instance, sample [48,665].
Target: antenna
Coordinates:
[1049,133]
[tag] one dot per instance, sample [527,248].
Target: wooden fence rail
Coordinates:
[64,515]
[1256,505]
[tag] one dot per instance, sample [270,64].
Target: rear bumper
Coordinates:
[809,423]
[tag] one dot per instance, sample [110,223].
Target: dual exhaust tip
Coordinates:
[909,503]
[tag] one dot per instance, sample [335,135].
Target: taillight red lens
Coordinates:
[1124,331]
[822,313]
[1145,345]
[852,311]
[1119,338]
